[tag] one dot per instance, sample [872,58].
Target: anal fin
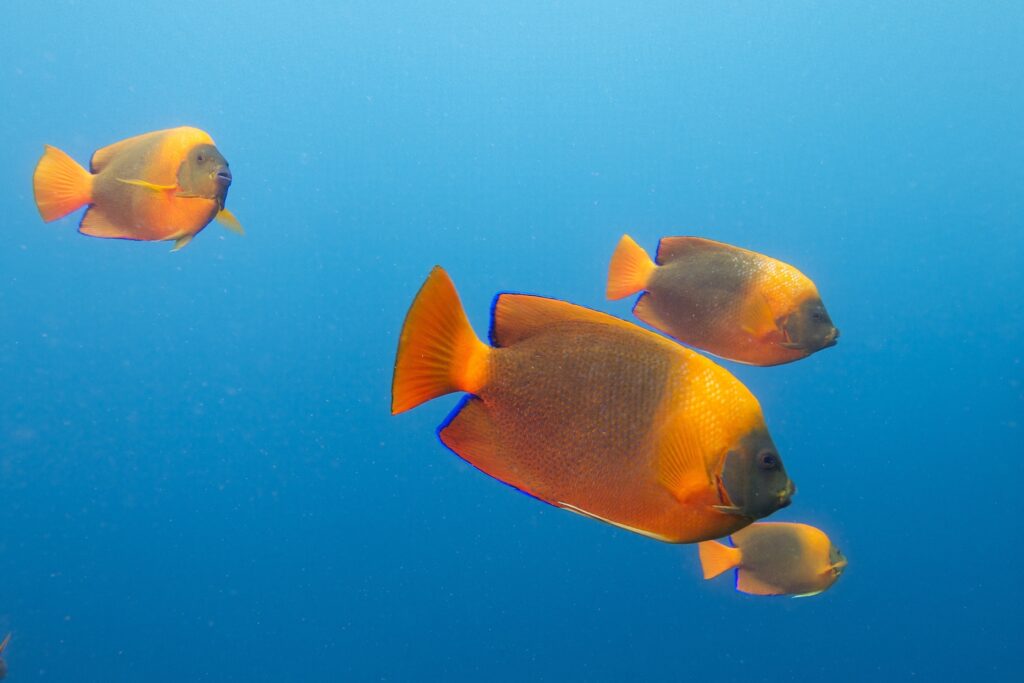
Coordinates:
[643,309]
[471,434]
[746,582]
[96,223]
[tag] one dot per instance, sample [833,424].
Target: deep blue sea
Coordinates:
[200,479]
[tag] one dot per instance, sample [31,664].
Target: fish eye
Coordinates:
[200,158]
[818,317]
[768,460]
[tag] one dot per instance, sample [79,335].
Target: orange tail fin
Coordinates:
[60,185]
[438,352]
[716,558]
[630,269]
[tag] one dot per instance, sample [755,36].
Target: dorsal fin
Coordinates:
[102,157]
[515,317]
[184,137]
[671,248]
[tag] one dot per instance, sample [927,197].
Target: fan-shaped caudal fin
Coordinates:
[60,185]
[630,269]
[438,352]
[716,558]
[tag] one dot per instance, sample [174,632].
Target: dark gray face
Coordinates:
[810,328]
[204,173]
[755,479]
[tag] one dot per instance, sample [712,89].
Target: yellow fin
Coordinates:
[438,352]
[758,319]
[180,243]
[635,530]
[149,186]
[716,558]
[60,185]
[228,220]
[630,269]
[809,595]
[682,468]
[3,645]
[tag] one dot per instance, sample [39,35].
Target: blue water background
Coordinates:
[199,477]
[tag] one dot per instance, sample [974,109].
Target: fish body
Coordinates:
[593,414]
[731,302]
[165,185]
[776,558]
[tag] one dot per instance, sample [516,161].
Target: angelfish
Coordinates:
[776,558]
[731,302]
[592,414]
[165,185]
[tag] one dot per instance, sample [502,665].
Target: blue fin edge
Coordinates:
[448,420]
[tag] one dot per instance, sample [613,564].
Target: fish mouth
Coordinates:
[832,339]
[223,177]
[785,496]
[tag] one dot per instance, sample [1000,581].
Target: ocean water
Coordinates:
[199,476]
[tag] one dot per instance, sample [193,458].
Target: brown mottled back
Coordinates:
[696,291]
[574,406]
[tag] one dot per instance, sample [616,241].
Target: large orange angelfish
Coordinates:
[593,414]
[166,185]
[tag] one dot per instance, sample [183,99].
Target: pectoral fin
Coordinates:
[147,185]
[757,317]
[180,243]
[228,220]
[681,465]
